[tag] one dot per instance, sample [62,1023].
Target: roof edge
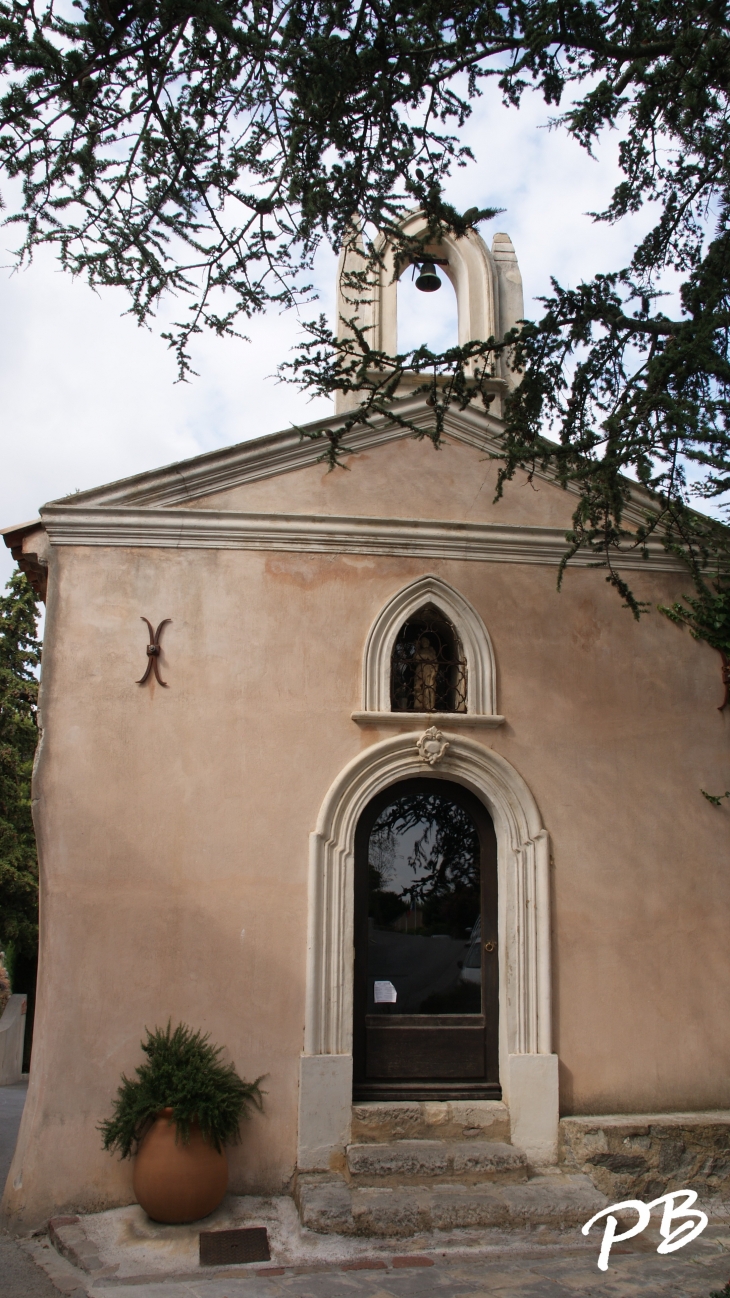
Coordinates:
[13,535]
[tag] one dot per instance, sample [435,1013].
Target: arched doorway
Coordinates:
[426,977]
[528,1068]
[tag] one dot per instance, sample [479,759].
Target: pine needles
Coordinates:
[183,1072]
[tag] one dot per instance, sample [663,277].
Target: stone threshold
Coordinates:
[380,1121]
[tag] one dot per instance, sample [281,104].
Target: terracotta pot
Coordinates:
[175,1182]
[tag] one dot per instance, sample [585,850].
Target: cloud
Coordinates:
[88,397]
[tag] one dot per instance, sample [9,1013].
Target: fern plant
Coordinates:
[185,1073]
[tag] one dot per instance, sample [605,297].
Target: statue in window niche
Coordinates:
[425,660]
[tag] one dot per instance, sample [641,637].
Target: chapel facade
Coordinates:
[383,812]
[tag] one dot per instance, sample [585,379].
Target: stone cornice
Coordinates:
[70,524]
[422,720]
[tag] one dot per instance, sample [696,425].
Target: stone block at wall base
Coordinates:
[645,1155]
[533,1106]
[325,1110]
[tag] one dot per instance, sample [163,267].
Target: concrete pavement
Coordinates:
[20,1277]
[694,1272]
[12,1099]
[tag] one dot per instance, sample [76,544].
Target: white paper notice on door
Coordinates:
[385,994]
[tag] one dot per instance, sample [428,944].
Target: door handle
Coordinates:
[489,946]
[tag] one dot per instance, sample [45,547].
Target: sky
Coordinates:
[87,397]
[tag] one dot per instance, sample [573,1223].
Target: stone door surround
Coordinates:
[528,1069]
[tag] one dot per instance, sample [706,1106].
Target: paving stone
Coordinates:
[162,1289]
[365,1264]
[538,1288]
[70,1240]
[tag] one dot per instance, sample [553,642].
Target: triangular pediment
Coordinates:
[400,496]
[262,458]
[216,475]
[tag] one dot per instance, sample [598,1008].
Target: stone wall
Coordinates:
[642,1156]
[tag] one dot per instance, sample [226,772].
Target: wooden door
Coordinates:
[426,963]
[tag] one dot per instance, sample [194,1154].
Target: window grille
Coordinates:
[428,667]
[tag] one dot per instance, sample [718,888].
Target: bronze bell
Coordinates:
[428,281]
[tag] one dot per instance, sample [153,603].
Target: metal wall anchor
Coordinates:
[153,651]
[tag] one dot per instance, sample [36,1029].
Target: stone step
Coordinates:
[328,1205]
[424,1161]
[382,1121]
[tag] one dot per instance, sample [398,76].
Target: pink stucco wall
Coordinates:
[173,823]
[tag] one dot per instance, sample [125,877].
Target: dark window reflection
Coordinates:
[424,913]
[428,668]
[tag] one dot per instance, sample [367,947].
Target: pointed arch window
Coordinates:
[465,683]
[428,670]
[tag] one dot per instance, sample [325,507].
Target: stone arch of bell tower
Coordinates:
[487,284]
